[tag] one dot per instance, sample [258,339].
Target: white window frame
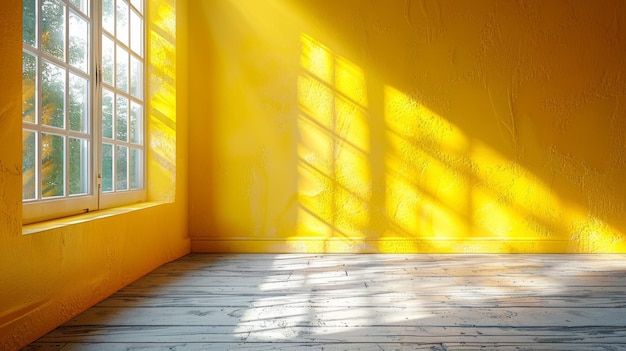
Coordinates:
[40,208]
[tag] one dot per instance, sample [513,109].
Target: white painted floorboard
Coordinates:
[361,302]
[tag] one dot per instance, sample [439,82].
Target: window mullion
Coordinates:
[66,106]
[39,103]
[96,106]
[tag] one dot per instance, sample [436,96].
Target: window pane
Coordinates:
[138,5]
[136,123]
[121,119]
[121,68]
[136,78]
[79,104]
[53,94]
[108,16]
[29,88]
[107,114]
[79,166]
[136,33]
[121,21]
[121,168]
[107,167]
[108,49]
[82,5]
[136,169]
[79,42]
[53,28]
[29,22]
[29,162]
[52,165]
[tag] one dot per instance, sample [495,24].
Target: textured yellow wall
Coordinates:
[408,126]
[49,276]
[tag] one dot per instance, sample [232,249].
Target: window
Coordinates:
[83,106]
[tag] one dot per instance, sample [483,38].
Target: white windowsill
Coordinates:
[85,217]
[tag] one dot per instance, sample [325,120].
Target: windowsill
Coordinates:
[85,217]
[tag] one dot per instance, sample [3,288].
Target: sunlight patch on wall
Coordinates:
[427,196]
[162,100]
[333,161]
[443,185]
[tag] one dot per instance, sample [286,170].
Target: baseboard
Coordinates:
[254,245]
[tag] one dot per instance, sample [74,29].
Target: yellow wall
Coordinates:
[49,276]
[408,126]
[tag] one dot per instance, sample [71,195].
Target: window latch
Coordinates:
[98,76]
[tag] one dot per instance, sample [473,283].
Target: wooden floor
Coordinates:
[361,302]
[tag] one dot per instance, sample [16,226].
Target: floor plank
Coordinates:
[361,302]
[318,347]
